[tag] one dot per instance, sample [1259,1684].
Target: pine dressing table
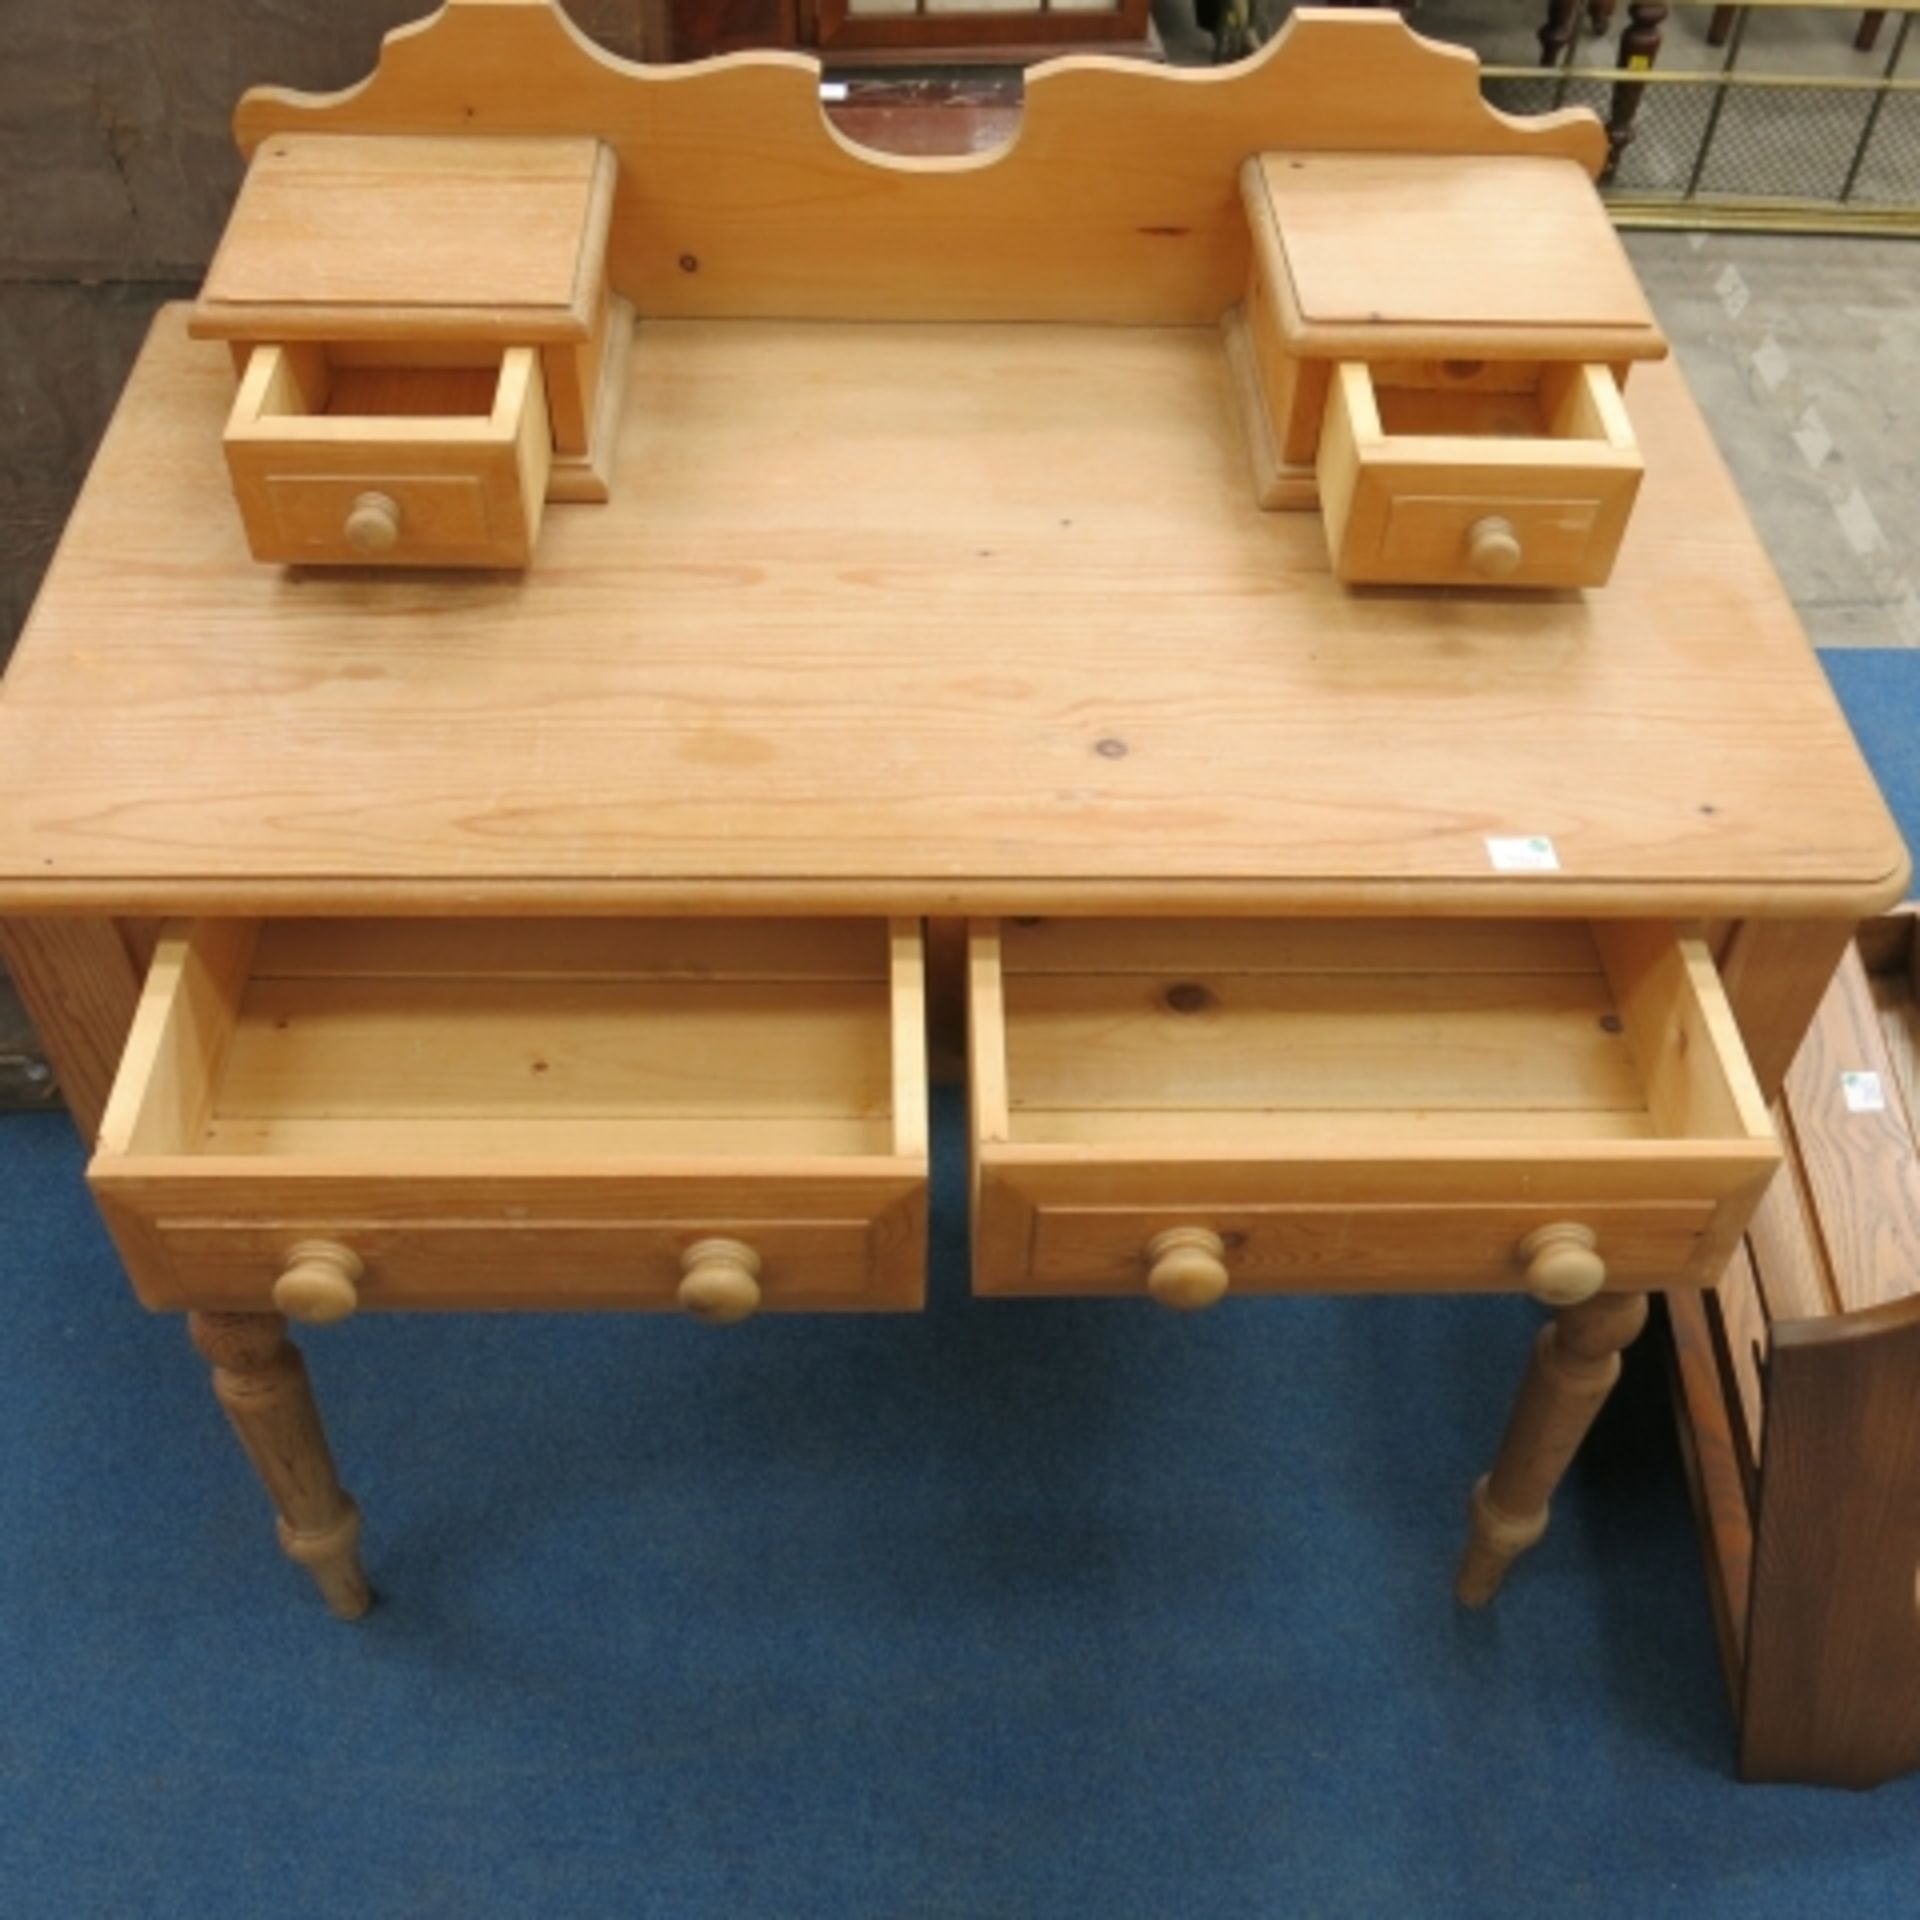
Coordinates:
[570,935]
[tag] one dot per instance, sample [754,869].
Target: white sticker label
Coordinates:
[1863,1092]
[1524,853]
[833,89]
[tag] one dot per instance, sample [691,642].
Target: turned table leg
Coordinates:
[1574,1366]
[261,1380]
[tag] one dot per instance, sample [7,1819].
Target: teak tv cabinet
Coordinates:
[573,936]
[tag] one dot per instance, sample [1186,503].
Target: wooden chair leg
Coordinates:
[1575,1363]
[1557,30]
[261,1381]
[1639,49]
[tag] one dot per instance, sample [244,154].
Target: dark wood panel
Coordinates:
[1712,1465]
[705,27]
[1833,1648]
[114,120]
[1034,34]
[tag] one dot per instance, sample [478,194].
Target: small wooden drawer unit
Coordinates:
[1431,350]
[397,466]
[428,342]
[1184,1108]
[720,1115]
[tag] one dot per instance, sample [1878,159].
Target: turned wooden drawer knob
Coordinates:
[720,1281]
[1189,1268]
[1562,1267]
[320,1283]
[373,523]
[1493,547]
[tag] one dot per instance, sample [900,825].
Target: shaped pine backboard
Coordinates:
[1117,201]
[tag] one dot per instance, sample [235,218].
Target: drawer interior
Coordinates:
[1576,404]
[1315,1034]
[367,1042]
[453,393]
[1454,410]
[311,387]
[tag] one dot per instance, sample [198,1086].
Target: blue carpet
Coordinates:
[1008,1609]
[1881,693]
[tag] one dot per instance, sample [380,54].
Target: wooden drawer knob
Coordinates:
[320,1283]
[720,1281]
[1189,1268]
[1493,547]
[373,523]
[1562,1267]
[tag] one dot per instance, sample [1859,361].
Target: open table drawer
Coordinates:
[719,1113]
[1183,1107]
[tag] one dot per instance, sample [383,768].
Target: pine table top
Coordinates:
[909,618]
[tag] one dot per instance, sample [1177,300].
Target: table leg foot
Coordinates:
[261,1380]
[1576,1361]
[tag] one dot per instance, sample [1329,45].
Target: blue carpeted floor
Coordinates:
[1049,1610]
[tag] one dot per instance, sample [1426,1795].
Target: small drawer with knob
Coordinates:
[1469,484]
[429,342]
[396,465]
[715,1117]
[1431,350]
[1186,1110]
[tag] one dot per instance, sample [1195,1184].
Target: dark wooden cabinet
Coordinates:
[930,32]
[703,27]
[1800,1395]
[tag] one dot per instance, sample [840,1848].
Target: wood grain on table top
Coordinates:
[912,617]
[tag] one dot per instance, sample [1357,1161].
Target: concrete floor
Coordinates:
[1805,356]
